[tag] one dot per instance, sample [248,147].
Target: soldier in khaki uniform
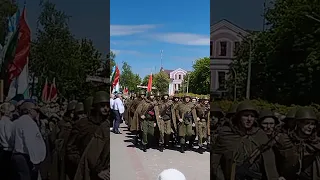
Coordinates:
[79,111]
[289,121]
[186,115]
[268,122]
[84,129]
[298,151]
[237,153]
[148,114]
[133,118]
[165,121]
[203,118]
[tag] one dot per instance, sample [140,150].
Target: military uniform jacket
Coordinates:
[290,149]
[146,107]
[184,108]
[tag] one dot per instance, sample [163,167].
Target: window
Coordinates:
[223,48]
[222,80]
[179,85]
[179,76]
[236,46]
[211,48]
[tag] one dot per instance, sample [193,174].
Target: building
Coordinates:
[176,79]
[225,39]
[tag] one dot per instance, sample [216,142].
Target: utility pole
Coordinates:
[249,71]
[161,52]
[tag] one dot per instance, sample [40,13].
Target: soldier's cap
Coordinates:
[29,106]
[305,113]
[7,107]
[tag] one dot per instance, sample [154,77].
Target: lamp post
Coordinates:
[249,66]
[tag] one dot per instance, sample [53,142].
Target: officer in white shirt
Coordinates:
[118,110]
[112,115]
[6,126]
[29,148]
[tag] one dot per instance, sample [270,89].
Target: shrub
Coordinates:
[261,104]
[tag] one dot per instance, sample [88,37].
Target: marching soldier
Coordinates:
[298,152]
[84,129]
[133,118]
[87,105]
[186,115]
[268,122]
[165,121]
[289,121]
[203,118]
[237,152]
[79,111]
[148,114]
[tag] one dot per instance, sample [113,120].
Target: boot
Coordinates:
[135,141]
[200,150]
[182,148]
[144,148]
[161,147]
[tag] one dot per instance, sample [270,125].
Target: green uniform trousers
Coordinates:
[185,131]
[165,129]
[147,127]
[202,134]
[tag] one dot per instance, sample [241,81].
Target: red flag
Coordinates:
[116,78]
[53,91]
[45,92]
[125,91]
[150,83]
[22,49]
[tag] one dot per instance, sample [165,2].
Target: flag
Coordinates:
[53,91]
[9,48]
[22,49]
[149,83]
[45,92]
[125,91]
[113,71]
[116,78]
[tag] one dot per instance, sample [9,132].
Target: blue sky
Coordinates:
[140,29]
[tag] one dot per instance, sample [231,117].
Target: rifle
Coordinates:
[244,169]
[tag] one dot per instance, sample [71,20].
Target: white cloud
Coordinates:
[125,30]
[118,51]
[183,39]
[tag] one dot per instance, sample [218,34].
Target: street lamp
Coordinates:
[249,67]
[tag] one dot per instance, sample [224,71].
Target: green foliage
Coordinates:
[56,53]
[191,95]
[199,80]
[7,9]
[286,57]
[226,104]
[161,82]
[128,78]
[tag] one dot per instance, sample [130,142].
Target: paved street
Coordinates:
[130,163]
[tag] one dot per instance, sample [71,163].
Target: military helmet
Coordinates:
[305,113]
[158,94]
[150,94]
[246,106]
[205,98]
[142,92]
[88,104]
[72,106]
[186,96]
[232,110]
[216,111]
[290,114]
[101,97]
[266,113]
[79,107]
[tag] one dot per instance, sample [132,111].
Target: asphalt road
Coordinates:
[130,163]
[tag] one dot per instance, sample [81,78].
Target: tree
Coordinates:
[161,82]
[56,53]
[286,57]
[7,9]
[199,80]
[128,78]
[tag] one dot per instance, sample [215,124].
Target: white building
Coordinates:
[225,39]
[176,78]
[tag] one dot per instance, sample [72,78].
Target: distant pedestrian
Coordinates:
[118,110]
[112,116]
[171,174]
